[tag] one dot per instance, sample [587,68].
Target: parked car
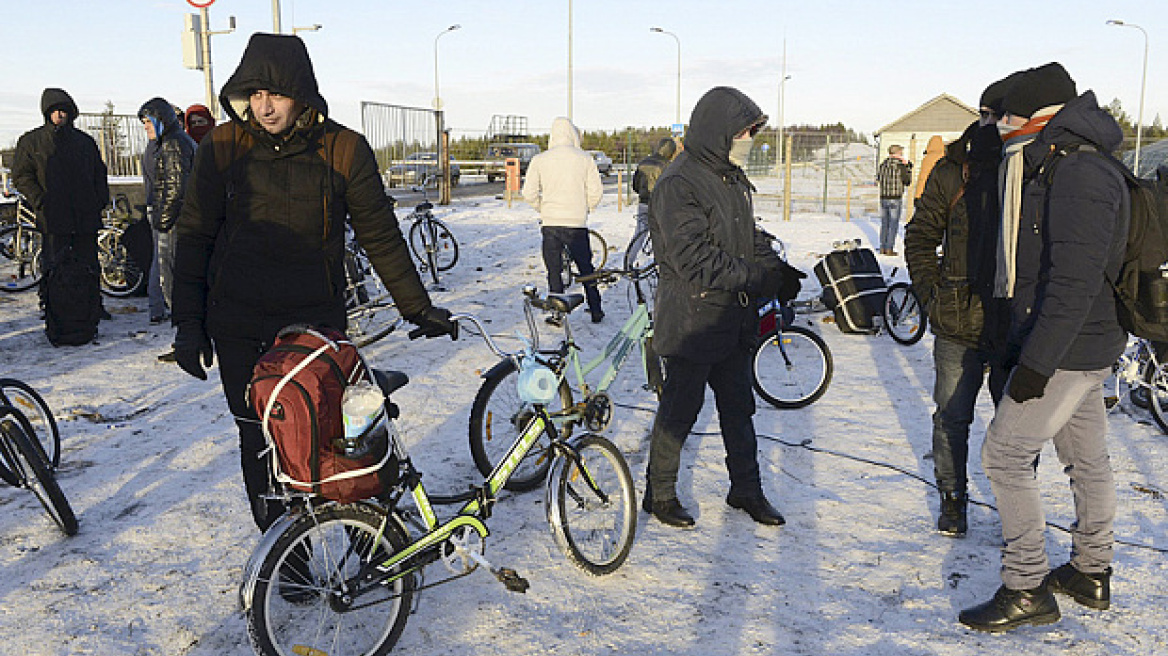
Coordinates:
[415,169]
[499,152]
[603,162]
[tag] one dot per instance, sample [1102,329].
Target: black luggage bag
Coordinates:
[853,287]
[71,298]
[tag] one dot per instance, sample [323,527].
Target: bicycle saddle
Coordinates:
[389,381]
[560,302]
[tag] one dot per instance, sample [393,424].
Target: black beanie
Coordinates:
[1037,88]
[995,93]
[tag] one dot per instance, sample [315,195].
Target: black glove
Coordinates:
[433,322]
[771,283]
[1026,384]
[791,284]
[192,349]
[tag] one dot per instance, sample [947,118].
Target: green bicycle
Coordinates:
[331,578]
[499,413]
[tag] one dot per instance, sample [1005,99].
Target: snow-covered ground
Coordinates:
[150,464]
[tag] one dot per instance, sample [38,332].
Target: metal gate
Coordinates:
[408,144]
[120,138]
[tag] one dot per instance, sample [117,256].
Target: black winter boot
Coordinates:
[1090,590]
[1010,609]
[952,521]
[668,511]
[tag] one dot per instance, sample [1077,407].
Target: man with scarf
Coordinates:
[1065,211]
[713,266]
[260,241]
[958,210]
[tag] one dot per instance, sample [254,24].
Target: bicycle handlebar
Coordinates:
[611,275]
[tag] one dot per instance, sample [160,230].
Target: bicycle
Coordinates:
[341,578]
[369,308]
[20,396]
[639,257]
[121,274]
[599,249]
[20,247]
[499,413]
[25,464]
[1140,371]
[904,317]
[791,366]
[431,242]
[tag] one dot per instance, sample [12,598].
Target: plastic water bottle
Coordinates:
[361,406]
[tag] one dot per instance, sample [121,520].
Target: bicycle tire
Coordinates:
[639,253]
[599,248]
[120,275]
[595,533]
[791,368]
[419,240]
[497,418]
[370,312]
[25,399]
[1157,380]
[309,615]
[37,475]
[904,318]
[446,246]
[20,266]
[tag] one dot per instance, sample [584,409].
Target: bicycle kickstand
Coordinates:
[507,576]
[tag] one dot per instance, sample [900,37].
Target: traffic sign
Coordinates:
[200,5]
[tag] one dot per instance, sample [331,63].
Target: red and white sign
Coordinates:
[200,5]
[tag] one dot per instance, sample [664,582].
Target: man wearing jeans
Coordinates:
[1065,213]
[894,175]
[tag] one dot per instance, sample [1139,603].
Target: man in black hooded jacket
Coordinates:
[713,264]
[261,237]
[59,170]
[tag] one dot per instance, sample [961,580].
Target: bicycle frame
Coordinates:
[635,330]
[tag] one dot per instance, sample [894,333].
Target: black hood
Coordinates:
[277,63]
[163,112]
[721,114]
[1082,121]
[58,99]
[665,148]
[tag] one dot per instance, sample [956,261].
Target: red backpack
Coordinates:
[296,391]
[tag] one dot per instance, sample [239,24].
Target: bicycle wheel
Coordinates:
[904,318]
[446,248]
[304,601]
[639,253]
[120,275]
[40,418]
[1157,380]
[370,310]
[591,505]
[20,266]
[36,474]
[792,368]
[420,240]
[599,249]
[498,417]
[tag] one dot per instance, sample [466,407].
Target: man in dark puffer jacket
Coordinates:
[713,265]
[261,237]
[959,211]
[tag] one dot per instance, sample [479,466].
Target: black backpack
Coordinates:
[72,301]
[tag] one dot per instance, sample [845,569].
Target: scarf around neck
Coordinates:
[1011,180]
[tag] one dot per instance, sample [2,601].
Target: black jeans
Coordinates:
[555,238]
[681,401]
[960,373]
[237,358]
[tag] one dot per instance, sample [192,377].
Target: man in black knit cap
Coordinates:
[1065,212]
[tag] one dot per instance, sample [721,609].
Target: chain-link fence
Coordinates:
[815,172]
[120,138]
[404,140]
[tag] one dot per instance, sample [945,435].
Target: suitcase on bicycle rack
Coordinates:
[853,287]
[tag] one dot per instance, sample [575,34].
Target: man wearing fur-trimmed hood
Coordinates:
[261,236]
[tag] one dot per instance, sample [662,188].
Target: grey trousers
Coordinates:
[1071,413]
[161,274]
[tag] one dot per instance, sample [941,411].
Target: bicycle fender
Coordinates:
[501,367]
[252,571]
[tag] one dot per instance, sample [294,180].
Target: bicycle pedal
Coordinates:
[511,580]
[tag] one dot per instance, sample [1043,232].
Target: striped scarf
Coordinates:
[1011,181]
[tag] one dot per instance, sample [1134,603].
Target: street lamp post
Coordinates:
[310,28]
[1143,85]
[437,96]
[782,105]
[661,31]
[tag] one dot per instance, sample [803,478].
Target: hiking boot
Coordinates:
[554,320]
[668,511]
[158,318]
[1010,609]
[597,316]
[1090,590]
[952,521]
[105,315]
[169,356]
[757,506]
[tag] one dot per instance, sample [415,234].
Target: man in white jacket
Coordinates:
[564,185]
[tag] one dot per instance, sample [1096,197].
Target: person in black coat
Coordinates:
[713,265]
[59,170]
[260,240]
[166,165]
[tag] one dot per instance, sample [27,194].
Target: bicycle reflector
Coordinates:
[537,383]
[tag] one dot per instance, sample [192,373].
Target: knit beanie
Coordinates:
[1037,88]
[995,93]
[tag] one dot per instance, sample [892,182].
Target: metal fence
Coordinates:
[818,172]
[120,138]
[395,133]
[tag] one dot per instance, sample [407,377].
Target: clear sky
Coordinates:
[860,62]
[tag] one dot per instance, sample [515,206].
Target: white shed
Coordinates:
[944,116]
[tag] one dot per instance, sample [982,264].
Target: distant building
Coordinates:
[1152,157]
[944,116]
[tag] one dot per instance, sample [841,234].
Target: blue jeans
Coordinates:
[161,274]
[890,209]
[960,373]
[1070,412]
